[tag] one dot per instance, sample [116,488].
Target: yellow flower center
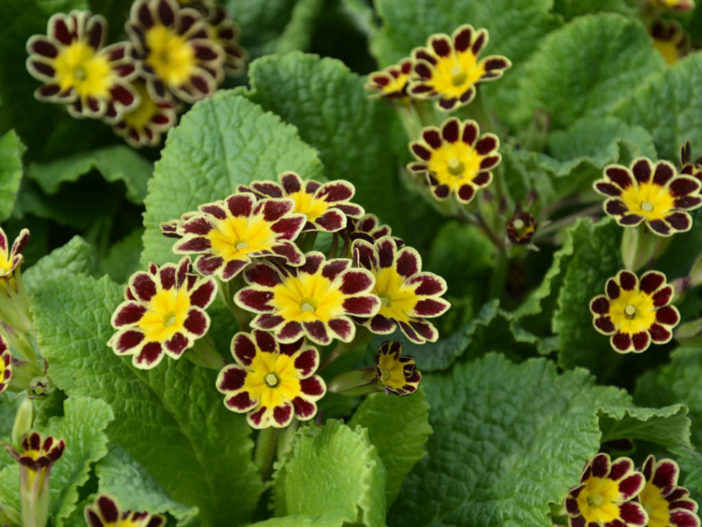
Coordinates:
[656,506]
[597,500]
[5,262]
[397,300]
[668,49]
[124,523]
[632,312]
[307,205]
[170,55]
[396,84]
[454,164]
[272,379]
[166,314]
[392,373]
[456,73]
[140,116]
[88,73]
[237,236]
[653,202]
[307,298]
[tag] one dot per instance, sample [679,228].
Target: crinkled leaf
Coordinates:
[332,472]
[398,427]
[224,141]
[75,257]
[261,22]
[171,419]
[11,151]
[668,426]
[123,257]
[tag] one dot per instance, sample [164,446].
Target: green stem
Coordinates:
[411,121]
[566,221]
[266,446]
[226,291]
[204,353]
[342,348]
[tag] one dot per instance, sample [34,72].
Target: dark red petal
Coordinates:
[342,328]
[331,221]
[197,322]
[306,363]
[243,348]
[362,306]
[620,176]
[317,331]
[263,275]
[600,305]
[608,189]
[666,476]
[612,289]
[381,325]
[663,173]
[486,145]
[479,42]
[313,261]
[688,202]
[668,316]
[605,325]
[232,268]
[621,342]
[268,322]
[283,414]
[642,170]
[290,252]
[167,276]
[198,244]
[143,286]
[408,262]
[600,465]
[659,334]
[450,131]
[684,185]
[462,38]
[241,204]
[428,284]
[255,299]
[651,281]
[290,332]
[441,45]
[334,268]
[627,280]
[177,344]
[291,182]
[615,207]
[466,193]
[432,136]
[129,313]
[356,281]
[680,221]
[683,518]
[633,514]
[241,402]
[663,296]
[660,227]
[335,191]
[431,307]
[108,509]
[641,341]
[630,220]
[304,409]
[420,151]
[129,340]
[312,386]
[232,379]
[470,133]
[149,355]
[288,228]
[208,265]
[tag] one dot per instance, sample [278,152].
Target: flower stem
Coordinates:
[204,353]
[362,335]
[266,446]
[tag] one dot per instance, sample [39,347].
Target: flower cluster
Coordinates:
[174,53]
[105,512]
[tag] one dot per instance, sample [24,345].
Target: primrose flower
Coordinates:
[392,82]
[144,124]
[176,52]
[368,227]
[315,299]
[407,295]
[667,504]
[634,311]
[228,234]
[449,69]
[606,493]
[454,159]
[679,5]
[77,71]
[398,374]
[651,193]
[225,33]
[521,227]
[326,205]
[105,512]
[164,312]
[11,260]
[5,365]
[670,39]
[271,382]
[689,167]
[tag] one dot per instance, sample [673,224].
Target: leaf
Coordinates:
[571,8]
[171,420]
[669,106]
[115,163]
[73,258]
[122,260]
[398,427]
[261,22]
[224,141]
[560,79]
[328,520]
[299,31]
[332,472]
[509,439]
[11,151]
[668,427]
[690,462]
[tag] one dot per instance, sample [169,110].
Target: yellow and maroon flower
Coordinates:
[176,52]
[397,373]
[521,227]
[164,312]
[5,365]
[144,124]
[316,299]
[76,70]
[368,227]
[652,193]
[667,504]
[606,493]
[678,5]
[635,312]
[224,32]
[37,455]
[670,39]
[690,167]
[11,260]
[449,68]
[408,296]
[454,159]
[228,234]
[105,512]
[392,82]
[326,205]
[271,382]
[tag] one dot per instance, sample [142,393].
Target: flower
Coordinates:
[228,234]
[10,261]
[449,69]
[144,124]
[36,457]
[649,192]
[76,70]
[15,305]
[689,167]
[5,364]
[606,493]
[176,52]
[105,512]
[225,33]
[397,374]
[454,160]
[392,82]
[521,227]
[667,504]
[164,312]
[326,205]
[368,227]
[670,39]
[315,299]
[407,295]
[679,5]
[271,382]
[634,311]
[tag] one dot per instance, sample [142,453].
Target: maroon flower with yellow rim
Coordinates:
[326,205]
[271,382]
[391,82]
[649,192]
[670,39]
[690,167]
[606,493]
[408,296]
[164,312]
[5,365]
[397,373]
[635,312]
[37,454]
[76,70]
[316,299]
[105,512]
[228,234]
[147,121]
[455,160]
[521,227]
[11,257]
[449,68]
[175,50]
[667,504]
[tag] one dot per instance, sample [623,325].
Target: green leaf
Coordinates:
[571,8]
[670,106]
[668,427]
[123,257]
[298,32]
[170,419]
[332,472]
[75,257]
[224,141]
[399,428]
[261,22]
[115,163]
[329,520]
[560,80]
[690,462]
[683,251]
[509,439]
[135,489]
[11,151]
